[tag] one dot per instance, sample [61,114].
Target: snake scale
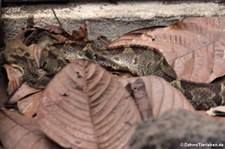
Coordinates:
[136,59]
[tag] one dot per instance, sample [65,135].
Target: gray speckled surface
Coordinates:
[179,129]
[107,19]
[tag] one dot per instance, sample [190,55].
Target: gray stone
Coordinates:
[108,19]
[179,129]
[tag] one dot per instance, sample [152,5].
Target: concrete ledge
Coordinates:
[108,19]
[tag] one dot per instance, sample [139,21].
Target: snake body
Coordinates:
[136,59]
[143,60]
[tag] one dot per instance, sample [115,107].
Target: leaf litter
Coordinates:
[84,105]
[194,47]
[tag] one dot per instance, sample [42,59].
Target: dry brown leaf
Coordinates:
[24,33]
[53,29]
[130,36]
[15,78]
[19,132]
[162,96]
[194,47]
[216,111]
[80,33]
[62,35]
[33,34]
[85,107]
[23,91]
[28,106]
[58,37]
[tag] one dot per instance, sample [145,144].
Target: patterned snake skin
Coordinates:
[136,59]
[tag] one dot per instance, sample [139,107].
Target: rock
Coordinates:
[108,19]
[179,129]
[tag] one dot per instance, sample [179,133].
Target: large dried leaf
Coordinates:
[85,107]
[28,106]
[18,132]
[15,78]
[194,47]
[160,96]
[130,36]
[23,91]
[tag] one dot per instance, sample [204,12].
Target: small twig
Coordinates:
[56,17]
[141,99]
[199,48]
[104,40]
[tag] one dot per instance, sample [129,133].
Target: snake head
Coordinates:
[15,51]
[17,54]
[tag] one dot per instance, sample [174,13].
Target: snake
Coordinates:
[138,60]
